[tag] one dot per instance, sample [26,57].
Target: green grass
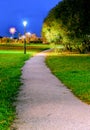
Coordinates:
[10,71]
[19,46]
[11,61]
[74,72]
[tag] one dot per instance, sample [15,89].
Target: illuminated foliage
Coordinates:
[69,23]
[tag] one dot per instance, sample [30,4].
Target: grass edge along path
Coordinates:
[74,71]
[11,62]
[10,72]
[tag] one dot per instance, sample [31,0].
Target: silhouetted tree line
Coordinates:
[68,23]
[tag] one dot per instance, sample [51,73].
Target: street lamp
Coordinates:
[24,24]
[12,30]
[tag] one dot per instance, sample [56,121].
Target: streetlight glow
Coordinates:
[12,30]
[25,23]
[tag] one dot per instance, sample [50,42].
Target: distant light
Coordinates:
[11,37]
[25,23]
[28,33]
[22,37]
[12,30]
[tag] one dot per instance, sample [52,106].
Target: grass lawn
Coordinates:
[10,71]
[11,61]
[29,47]
[74,72]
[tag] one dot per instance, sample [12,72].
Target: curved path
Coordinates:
[44,103]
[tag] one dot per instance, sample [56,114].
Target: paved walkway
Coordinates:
[44,103]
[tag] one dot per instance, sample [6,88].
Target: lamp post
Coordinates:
[24,24]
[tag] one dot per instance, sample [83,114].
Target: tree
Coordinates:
[69,21]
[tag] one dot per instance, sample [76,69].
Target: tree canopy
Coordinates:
[69,23]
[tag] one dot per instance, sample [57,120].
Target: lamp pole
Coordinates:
[24,24]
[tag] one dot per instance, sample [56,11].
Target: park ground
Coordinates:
[72,70]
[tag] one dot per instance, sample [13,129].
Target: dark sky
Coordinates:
[13,12]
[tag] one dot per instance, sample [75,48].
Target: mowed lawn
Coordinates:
[11,61]
[10,72]
[74,72]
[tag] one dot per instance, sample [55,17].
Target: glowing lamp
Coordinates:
[25,23]
[12,30]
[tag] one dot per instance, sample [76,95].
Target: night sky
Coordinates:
[13,12]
